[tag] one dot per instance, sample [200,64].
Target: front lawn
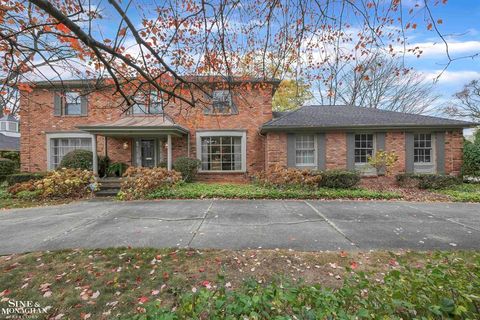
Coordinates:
[466,192]
[200,190]
[254,284]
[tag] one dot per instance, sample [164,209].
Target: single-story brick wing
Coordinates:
[235,136]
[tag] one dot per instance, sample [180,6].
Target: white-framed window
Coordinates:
[59,144]
[364,147]
[222,103]
[9,126]
[147,103]
[422,148]
[12,126]
[305,150]
[222,151]
[73,103]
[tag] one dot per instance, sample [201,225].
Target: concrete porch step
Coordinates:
[109,187]
[107,192]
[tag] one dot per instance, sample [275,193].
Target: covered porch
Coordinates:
[148,139]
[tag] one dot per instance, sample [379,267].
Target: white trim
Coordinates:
[315,152]
[229,133]
[426,167]
[60,135]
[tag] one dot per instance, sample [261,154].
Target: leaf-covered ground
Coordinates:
[120,282]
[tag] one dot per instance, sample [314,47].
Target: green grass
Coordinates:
[466,192]
[251,191]
[122,282]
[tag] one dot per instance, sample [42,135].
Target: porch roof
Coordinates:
[136,126]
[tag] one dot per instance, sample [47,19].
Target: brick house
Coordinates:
[234,136]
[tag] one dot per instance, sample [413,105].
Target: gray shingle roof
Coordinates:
[331,117]
[9,143]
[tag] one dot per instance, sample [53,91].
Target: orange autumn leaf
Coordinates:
[439,21]
[429,27]
[25,87]
[63,28]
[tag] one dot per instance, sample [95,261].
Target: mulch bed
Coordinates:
[383,184]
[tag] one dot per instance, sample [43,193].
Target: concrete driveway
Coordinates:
[237,224]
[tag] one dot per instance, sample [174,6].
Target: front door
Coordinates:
[148,153]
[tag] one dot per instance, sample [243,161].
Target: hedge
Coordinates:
[24,176]
[426,181]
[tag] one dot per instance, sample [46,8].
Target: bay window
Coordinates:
[222,151]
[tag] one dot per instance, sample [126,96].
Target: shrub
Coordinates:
[471,159]
[188,167]
[286,177]
[103,163]
[383,161]
[12,155]
[24,176]
[279,176]
[7,167]
[139,181]
[117,169]
[426,181]
[78,159]
[29,195]
[63,183]
[339,179]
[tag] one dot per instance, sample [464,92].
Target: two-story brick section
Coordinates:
[234,136]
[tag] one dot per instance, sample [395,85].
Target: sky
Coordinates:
[461,25]
[461,20]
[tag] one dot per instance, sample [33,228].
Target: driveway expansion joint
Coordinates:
[201,223]
[330,223]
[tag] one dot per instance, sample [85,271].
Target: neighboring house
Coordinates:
[235,136]
[9,134]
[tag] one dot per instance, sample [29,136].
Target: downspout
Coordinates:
[188,144]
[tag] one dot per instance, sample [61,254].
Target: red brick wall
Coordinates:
[276,149]
[336,150]
[395,141]
[336,146]
[37,119]
[453,152]
[254,108]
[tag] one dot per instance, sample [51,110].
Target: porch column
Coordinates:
[169,152]
[95,157]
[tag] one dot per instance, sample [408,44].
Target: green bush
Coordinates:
[426,181]
[29,195]
[117,169]
[188,167]
[78,159]
[103,163]
[471,159]
[12,155]
[7,167]
[339,179]
[444,288]
[24,176]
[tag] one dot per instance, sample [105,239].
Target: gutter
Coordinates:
[265,129]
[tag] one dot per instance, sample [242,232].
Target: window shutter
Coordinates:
[57,104]
[290,150]
[321,152]
[83,105]
[380,146]
[440,152]
[351,151]
[409,152]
